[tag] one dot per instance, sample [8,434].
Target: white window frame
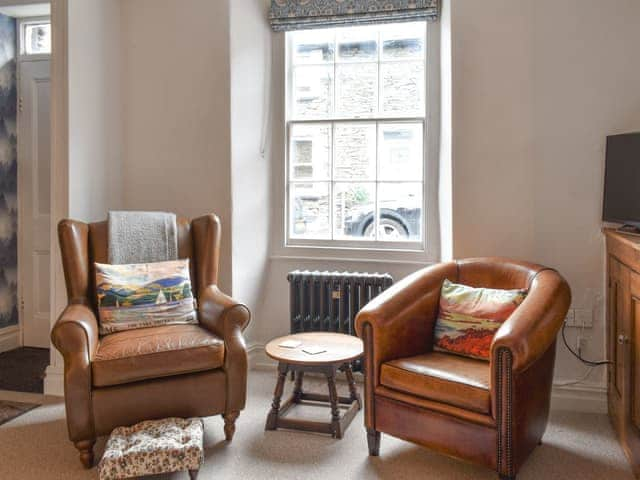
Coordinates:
[22,23]
[427,249]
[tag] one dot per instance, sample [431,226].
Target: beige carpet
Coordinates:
[11,410]
[576,446]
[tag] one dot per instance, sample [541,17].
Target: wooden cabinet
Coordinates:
[623,341]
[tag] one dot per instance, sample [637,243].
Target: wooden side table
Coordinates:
[341,350]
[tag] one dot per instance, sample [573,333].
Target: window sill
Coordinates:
[354,255]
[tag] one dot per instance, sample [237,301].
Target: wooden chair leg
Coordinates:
[373,441]
[230,424]
[85,448]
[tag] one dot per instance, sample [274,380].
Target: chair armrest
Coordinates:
[76,332]
[401,319]
[221,314]
[532,328]
[399,323]
[227,318]
[75,335]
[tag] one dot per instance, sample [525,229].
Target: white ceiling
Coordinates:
[32,10]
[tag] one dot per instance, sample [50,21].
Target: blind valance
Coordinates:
[305,14]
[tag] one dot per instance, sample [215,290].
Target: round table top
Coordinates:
[339,348]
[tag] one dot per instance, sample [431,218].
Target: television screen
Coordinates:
[622,179]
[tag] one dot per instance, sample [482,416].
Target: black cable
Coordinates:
[587,362]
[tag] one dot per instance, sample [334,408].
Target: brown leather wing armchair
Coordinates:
[490,413]
[173,370]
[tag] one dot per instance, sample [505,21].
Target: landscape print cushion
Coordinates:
[144,295]
[469,317]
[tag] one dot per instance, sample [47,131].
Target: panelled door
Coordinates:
[34,160]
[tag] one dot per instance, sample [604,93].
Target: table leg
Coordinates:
[272,419]
[297,391]
[333,400]
[355,397]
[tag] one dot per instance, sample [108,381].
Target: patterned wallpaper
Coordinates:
[8,174]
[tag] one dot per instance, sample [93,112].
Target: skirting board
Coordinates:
[258,359]
[9,338]
[581,398]
[54,381]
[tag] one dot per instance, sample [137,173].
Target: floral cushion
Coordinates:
[144,295]
[469,318]
[153,447]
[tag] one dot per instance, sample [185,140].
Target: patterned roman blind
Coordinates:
[305,14]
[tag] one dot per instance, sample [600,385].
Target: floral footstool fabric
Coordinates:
[153,447]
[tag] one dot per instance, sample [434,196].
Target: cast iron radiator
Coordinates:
[330,301]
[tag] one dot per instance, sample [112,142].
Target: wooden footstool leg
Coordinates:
[272,419]
[333,400]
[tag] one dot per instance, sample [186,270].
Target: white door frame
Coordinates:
[53,383]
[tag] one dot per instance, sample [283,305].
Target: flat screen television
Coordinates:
[622,180]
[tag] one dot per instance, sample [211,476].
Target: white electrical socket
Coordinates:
[570,319]
[583,317]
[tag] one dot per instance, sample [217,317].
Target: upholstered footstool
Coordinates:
[153,447]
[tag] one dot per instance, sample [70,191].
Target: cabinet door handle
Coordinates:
[622,339]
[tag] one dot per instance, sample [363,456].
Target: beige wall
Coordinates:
[537,85]
[175,80]
[250,44]
[95,130]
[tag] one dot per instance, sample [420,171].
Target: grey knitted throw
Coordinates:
[142,237]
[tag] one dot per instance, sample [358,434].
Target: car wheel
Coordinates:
[388,229]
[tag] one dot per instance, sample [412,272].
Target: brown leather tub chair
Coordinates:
[489,413]
[173,370]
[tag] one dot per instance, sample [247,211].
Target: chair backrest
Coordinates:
[495,272]
[83,244]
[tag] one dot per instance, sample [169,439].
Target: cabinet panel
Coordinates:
[623,342]
[634,372]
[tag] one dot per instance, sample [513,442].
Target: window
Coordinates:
[356,124]
[35,37]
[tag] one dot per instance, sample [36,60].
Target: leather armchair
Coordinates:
[489,413]
[173,370]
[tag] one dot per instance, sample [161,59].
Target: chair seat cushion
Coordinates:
[442,377]
[148,353]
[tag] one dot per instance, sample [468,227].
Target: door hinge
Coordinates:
[22,304]
[20,104]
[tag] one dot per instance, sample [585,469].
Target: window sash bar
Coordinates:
[358,120]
